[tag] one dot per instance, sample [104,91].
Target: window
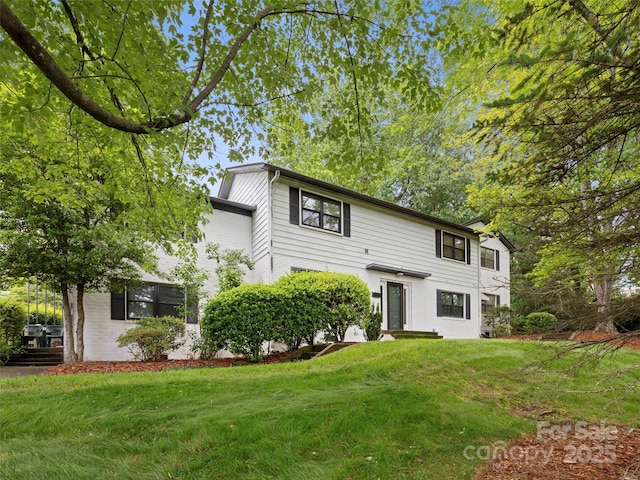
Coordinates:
[452,246]
[151,300]
[454,305]
[490,258]
[320,212]
[488,303]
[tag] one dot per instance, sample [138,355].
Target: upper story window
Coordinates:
[453,246]
[319,212]
[489,258]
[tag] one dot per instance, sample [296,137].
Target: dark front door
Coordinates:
[395,306]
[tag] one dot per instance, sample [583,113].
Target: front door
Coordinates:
[396,308]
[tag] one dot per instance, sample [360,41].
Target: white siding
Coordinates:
[383,237]
[252,188]
[230,230]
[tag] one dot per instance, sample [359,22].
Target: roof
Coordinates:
[498,234]
[232,207]
[231,172]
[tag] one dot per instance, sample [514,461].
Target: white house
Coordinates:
[428,274]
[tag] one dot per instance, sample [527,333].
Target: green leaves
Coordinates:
[157,65]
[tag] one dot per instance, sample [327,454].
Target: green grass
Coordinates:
[401,410]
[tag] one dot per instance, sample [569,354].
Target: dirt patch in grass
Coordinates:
[589,452]
[125,367]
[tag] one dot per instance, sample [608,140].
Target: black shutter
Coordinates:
[346,219]
[468,252]
[294,206]
[117,306]
[497,300]
[497,259]
[439,244]
[467,306]
[439,302]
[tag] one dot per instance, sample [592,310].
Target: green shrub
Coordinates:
[501,329]
[13,318]
[373,324]
[304,315]
[541,322]
[346,297]
[202,347]
[153,338]
[45,316]
[292,310]
[242,319]
[535,322]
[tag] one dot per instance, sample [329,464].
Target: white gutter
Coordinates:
[275,178]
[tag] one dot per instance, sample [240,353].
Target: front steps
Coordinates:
[312,351]
[404,334]
[37,357]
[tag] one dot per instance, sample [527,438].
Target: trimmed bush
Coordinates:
[292,310]
[345,296]
[303,316]
[13,318]
[243,318]
[152,339]
[535,322]
[540,322]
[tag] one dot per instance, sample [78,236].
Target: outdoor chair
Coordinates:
[33,332]
[53,331]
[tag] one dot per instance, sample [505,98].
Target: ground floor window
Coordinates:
[152,300]
[489,303]
[454,304]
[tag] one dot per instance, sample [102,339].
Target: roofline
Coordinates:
[225,188]
[505,241]
[232,207]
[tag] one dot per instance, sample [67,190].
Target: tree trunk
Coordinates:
[70,355]
[601,283]
[80,322]
[603,287]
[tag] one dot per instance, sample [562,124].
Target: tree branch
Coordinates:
[47,65]
[226,63]
[203,50]
[593,21]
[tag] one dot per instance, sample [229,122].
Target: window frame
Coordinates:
[487,307]
[124,302]
[483,258]
[322,213]
[442,246]
[451,310]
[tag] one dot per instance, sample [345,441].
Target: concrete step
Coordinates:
[37,357]
[403,334]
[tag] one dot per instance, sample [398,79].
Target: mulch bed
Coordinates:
[125,367]
[569,455]
[592,452]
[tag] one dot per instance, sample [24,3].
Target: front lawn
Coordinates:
[389,410]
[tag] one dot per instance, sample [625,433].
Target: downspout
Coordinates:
[480,241]
[275,178]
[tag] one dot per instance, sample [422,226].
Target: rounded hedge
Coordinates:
[292,310]
[345,296]
[13,317]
